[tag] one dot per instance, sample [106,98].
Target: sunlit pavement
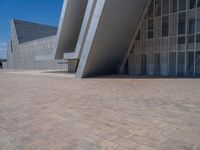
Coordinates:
[51,111]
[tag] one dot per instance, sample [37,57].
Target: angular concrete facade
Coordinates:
[135,37]
[31,47]
[104,36]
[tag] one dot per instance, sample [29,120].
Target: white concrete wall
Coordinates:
[37,54]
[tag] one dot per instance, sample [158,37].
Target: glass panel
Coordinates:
[164,64]
[165,26]
[150,28]
[131,64]
[198,3]
[198,38]
[165,7]
[157,64]
[151,9]
[190,63]
[172,63]
[190,42]
[143,64]
[197,64]
[198,20]
[150,24]
[173,5]
[190,38]
[158,7]
[165,44]
[158,45]
[198,42]
[182,5]
[158,27]
[150,34]
[144,29]
[181,23]
[150,64]
[191,26]
[198,25]
[144,46]
[126,67]
[137,46]
[150,45]
[172,45]
[192,4]
[191,22]
[181,43]
[173,25]
[136,62]
[181,64]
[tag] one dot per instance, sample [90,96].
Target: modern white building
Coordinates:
[31,47]
[136,37]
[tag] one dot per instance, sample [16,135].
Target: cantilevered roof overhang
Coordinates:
[98,33]
[69,27]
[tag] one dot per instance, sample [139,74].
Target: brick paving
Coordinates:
[44,112]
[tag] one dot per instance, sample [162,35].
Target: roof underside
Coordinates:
[113,26]
[28,31]
[70,25]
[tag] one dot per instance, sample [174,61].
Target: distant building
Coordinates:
[135,37]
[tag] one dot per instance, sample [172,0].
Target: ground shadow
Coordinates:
[144,77]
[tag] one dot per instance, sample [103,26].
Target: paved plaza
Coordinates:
[48,111]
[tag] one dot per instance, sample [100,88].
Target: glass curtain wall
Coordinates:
[168,42]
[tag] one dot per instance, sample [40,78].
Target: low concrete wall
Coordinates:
[37,54]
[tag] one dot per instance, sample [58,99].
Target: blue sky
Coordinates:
[40,11]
